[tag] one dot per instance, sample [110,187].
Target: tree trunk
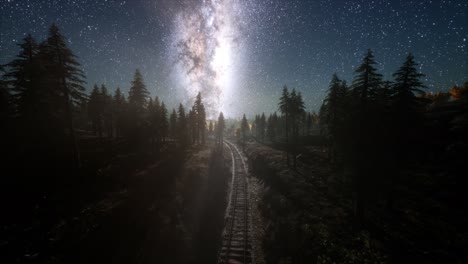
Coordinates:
[69,116]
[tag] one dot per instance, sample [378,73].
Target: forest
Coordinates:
[376,176]
[64,148]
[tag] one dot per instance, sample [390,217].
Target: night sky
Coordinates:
[241,53]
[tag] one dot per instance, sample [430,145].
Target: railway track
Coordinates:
[236,245]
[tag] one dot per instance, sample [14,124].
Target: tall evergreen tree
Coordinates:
[182,125]
[138,95]
[64,71]
[155,116]
[284,105]
[95,110]
[173,124]
[6,110]
[23,76]
[334,114]
[366,80]
[244,129]
[262,127]
[365,86]
[210,128]
[153,121]
[220,130]
[202,123]
[107,114]
[407,83]
[310,123]
[271,128]
[164,124]
[255,130]
[139,129]
[192,124]
[406,114]
[119,111]
[296,110]
[199,119]
[65,79]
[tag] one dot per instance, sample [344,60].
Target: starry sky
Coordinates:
[239,53]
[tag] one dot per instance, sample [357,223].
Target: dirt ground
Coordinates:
[201,199]
[258,226]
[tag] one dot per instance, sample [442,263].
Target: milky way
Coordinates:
[206,36]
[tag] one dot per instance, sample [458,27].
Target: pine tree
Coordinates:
[138,95]
[150,107]
[192,124]
[365,87]
[65,79]
[119,110]
[153,122]
[173,123]
[332,104]
[366,80]
[157,108]
[23,76]
[284,105]
[406,106]
[95,111]
[139,128]
[155,119]
[296,110]
[334,114]
[271,128]
[244,129]
[6,110]
[407,83]
[199,120]
[262,127]
[164,124]
[182,125]
[220,130]
[107,115]
[210,128]
[202,123]
[63,68]
[309,123]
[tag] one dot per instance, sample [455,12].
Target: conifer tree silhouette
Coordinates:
[244,129]
[65,80]
[173,124]
[220,130]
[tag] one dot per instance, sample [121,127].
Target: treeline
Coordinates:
[293,122]
[286,129]
[142,120]
[41,88]
[45,111]
[375,128]
[397,154]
